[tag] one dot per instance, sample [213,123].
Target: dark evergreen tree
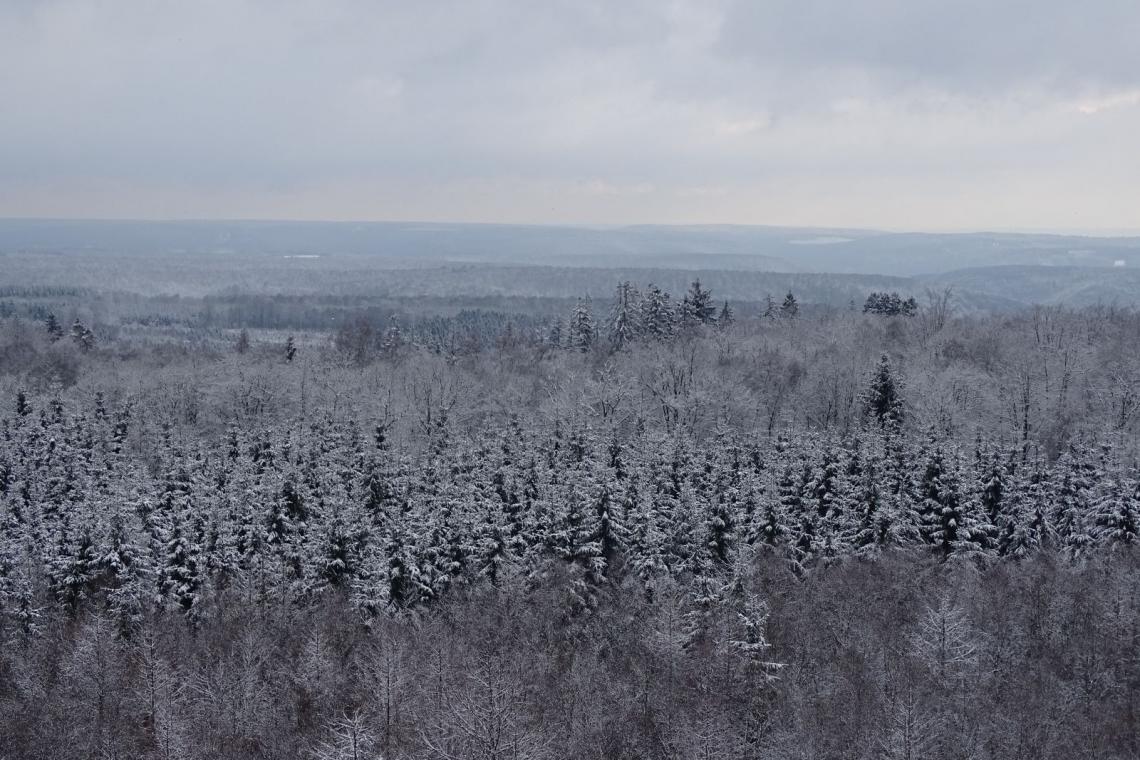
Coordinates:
[1118,513]
[54,328]
[659,318]
[697,306]
[882,401]
[180,580]
[624,324]
[82,336]
[790,308]
[23,408]
[726,316]
[582,333]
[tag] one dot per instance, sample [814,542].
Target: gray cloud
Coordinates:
[970,113]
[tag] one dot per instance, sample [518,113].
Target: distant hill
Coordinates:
[1021,285]
[726,247]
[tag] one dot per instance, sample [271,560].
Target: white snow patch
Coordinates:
[821,240]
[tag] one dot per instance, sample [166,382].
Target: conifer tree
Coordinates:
[1072,509]
[697,307]
[54,328]
[720,526]
[946,521]
[75,568]
[770,309]
[882,401]
[1118,514]
[658,315]
[23,408]
[82,335]
[624,324]
[1024,527]
[726,316]
[582,333]
[180,580]
[790,308]
[770,527]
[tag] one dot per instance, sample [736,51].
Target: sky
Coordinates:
[892,114]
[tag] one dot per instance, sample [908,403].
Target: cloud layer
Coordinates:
[891,113]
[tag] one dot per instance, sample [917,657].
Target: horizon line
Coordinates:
[1107,233]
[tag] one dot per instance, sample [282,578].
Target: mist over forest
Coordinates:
[398,491]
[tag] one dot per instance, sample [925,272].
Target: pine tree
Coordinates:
[625,319]
[492,544]
[768,523]
[19,605]
[54,328]
[770,310]
[726,317]
[1071,506]
[75,568]
[1024,527]
[611,533]
[720,526]
[992,496]
[882,400]
[697,307]
[659,318]
[121,574]
[582,333]
[180,579]
[946,522]
[23,408]
[82,336]
[341,552]
[789,309]
[1118,514]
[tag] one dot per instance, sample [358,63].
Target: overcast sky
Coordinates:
[900,114]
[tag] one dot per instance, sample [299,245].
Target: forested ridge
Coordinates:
[651,528]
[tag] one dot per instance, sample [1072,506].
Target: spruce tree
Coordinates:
[882,401]
[82,335]
[1118,514]
[582,333]
[658,315]
[790,308]
[697,307]
[726,316]
[54,328]
[624,324]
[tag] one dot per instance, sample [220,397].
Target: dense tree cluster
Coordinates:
[147,555]
[890,305]
[638,316]
[320,507]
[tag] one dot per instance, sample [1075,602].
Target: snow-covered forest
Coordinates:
[645,526]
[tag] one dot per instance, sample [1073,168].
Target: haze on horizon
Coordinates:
[878,114]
